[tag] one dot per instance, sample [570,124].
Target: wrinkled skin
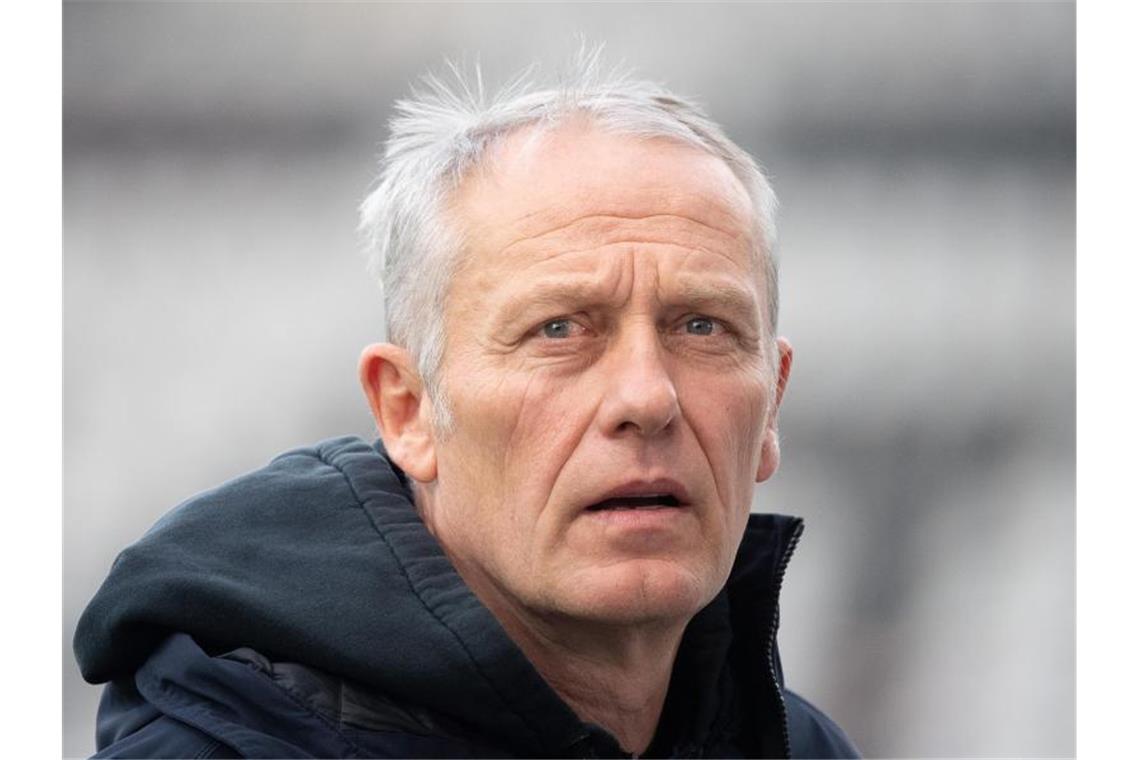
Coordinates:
[605,326]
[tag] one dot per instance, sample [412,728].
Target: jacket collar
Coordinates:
[717,660]
[529,716]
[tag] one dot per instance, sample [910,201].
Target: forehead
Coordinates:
[578,182]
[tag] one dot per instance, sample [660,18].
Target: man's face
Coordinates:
[606,368]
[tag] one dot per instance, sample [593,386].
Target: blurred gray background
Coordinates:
[216,302]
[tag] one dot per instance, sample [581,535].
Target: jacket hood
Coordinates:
[320,558]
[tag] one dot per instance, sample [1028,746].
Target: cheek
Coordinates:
[549,414]
[728,415]
[514,431]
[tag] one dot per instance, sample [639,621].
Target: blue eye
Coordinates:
[557,328]
[700,326]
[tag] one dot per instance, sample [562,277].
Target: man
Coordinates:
[551,552]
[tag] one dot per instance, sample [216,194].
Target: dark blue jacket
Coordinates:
[304,610]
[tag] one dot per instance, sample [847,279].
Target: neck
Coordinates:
[614,676]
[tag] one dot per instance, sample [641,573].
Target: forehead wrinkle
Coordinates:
[615,220]
[630,246]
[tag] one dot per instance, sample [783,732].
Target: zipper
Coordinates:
[581,747]
[773,625]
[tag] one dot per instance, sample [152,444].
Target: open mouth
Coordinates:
[650,501]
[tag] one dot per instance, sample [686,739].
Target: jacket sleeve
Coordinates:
[129,726]
[164,738]
[812,733]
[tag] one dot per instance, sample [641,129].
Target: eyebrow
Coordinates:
[705,294]
[560,294]
[715,294]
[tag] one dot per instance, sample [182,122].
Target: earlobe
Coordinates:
[769,455]
[770,445]
[395,395]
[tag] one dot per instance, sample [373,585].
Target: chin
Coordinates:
[639,591]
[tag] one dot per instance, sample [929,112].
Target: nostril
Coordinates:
[646,425]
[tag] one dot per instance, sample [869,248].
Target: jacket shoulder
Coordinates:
[128,725]
[813,733]
[166,737]
[195,567]
[184,702]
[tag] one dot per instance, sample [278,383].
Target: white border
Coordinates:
[32,391]
[1107,383]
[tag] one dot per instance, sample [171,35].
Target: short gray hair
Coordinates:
[445,129]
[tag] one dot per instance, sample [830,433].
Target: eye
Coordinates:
[701,326]
[557,328]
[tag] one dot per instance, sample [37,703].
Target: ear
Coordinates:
[770,446]
[395,393]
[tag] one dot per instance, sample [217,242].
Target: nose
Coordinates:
[641,398]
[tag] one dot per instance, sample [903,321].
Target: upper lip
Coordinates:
[646,487]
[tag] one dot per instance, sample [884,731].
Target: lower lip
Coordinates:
[638,519]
